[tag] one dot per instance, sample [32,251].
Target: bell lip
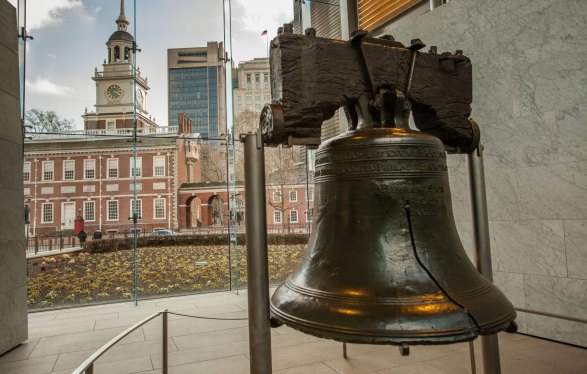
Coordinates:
[468,328]
[369,337]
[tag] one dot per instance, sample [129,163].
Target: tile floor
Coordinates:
[61,340]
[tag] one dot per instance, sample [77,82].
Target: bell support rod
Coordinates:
[257,264]
[476,174]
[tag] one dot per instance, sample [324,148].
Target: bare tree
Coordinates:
[47,121]
[213,164]
[245,122]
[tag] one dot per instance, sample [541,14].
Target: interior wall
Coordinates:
[529,96]
[13,306]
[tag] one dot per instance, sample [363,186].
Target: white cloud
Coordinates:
[43,13]
[46,87]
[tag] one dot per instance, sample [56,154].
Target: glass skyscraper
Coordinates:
[196,88]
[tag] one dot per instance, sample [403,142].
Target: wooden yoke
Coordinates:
[377,82]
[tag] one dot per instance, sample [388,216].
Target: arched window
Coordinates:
[126,54]
[109,55]
[116,53]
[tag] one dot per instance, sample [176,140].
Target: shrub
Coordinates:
[117,244]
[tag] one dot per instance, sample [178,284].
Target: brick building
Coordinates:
[78,173]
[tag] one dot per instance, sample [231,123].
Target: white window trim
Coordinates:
[310,195]
[65,169]
[295,199]
[43,212]
[297,216]
[92,202]
[108,168]
[276,197]
[277,213]
[155,208]
[43,170]
[108,210]
[139,167]
[307,215]
[93,163]
[155,158]
[140,206]
[26,168]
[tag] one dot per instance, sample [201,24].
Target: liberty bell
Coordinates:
[384,263]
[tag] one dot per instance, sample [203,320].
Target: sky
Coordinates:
[69,42]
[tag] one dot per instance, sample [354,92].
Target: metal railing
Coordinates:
[87,366]
[52,243]
[76,134]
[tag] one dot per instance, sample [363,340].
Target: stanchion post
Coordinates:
[257,264]
[476,173]
[165,338]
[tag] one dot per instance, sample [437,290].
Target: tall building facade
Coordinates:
[253,88]
[196,87]
[115,86]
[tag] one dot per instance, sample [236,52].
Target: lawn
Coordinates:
[86,278]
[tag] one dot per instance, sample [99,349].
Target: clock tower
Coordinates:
[115,86]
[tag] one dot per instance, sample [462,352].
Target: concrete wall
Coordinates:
[13,306]
[530,100]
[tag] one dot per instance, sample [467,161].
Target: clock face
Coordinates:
[139,98]
[114,92]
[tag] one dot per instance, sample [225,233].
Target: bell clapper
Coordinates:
[404,349]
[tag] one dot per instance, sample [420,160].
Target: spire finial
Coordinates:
[121,21]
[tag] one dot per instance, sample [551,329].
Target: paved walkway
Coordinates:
[61,340]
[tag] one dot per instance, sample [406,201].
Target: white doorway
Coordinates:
[67,216]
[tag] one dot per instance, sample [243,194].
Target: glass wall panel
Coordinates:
[133,170]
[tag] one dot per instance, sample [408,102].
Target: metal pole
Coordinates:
[472,356]
[476,173]
[165,354]
[257,264]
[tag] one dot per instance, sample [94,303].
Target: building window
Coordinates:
[139,204]
[112,208]
[266,98]
[293,196]
[89,169]
[112,167]
[277,217]
[258,107]
[111,125]
[159,208]
[310,195]
[276,198]
[249,81]
[249,98]
[257,97]
[159,166]
[68,170]
[139,169]
[48,170]
[249,106]
[257,78]
[26,172]
[89,210]
[293,216]
[47,209]
[266,77]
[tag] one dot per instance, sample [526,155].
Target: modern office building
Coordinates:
[196,87]
[253,88]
